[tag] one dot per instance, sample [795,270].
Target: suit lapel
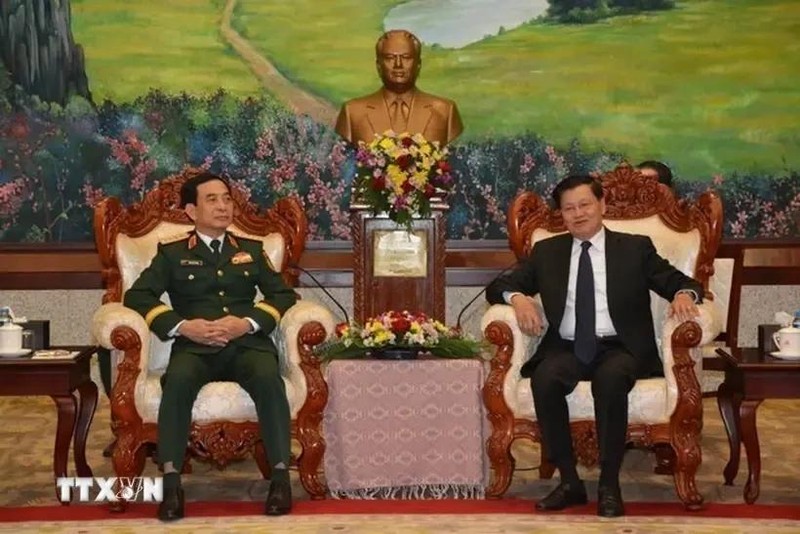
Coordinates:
[378,114]
[420,114]
[199,249]
[560,276]
[230,248]
[613,256]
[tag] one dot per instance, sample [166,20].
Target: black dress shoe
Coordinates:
[609,501]
[171,507]
[563,496]
[279,498]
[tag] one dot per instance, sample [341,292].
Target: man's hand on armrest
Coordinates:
[527,313]
[684,306]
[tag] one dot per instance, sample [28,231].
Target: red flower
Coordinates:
[429,191]
[378,183]
[444,166]
[400,326]
[407,187]
[341,328]
[405,161]
[407,142]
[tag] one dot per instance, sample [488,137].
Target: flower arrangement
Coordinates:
[399,174]
[414,332]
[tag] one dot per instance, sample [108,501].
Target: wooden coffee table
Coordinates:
[58,379]
[751,376]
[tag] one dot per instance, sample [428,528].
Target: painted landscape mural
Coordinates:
[107,97]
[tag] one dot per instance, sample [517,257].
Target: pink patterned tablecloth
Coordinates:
[405,429]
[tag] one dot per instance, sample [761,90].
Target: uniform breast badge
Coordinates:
[241,257]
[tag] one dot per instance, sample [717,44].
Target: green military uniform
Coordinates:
[202,284]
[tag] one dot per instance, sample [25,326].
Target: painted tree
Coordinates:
[38,50]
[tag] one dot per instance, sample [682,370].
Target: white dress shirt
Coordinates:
[602,318]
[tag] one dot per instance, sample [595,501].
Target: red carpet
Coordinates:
[89,512]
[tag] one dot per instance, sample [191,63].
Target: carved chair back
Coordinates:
[127,238]
[686,234]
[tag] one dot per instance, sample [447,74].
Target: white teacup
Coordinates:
[14,339]
[788,340]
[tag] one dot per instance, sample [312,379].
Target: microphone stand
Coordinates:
[319,285]
[481,292]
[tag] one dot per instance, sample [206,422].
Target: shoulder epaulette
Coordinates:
[174,238]
[243,237]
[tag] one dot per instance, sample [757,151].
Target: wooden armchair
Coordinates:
[224,426]
[664,413]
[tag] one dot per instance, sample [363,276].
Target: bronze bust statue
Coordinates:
[399,105]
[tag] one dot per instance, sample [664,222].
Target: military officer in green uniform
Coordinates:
[221,333]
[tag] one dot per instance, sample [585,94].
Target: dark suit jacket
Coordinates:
[436,118]
[202,286]
[633,267]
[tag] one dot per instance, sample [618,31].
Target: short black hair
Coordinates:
[189,187]
[576,180]
[664,172]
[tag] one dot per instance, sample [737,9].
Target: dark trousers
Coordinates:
[258,374]
[613,374]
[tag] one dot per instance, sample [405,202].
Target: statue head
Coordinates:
[398,59]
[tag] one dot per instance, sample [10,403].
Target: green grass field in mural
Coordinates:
[712,86]
[173,45]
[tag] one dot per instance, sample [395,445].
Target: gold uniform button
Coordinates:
[221,293]
[219,273]
[191,277]
[247,273]
[225,309]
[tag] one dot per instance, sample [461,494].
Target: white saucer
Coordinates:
[784,356]
[14,353]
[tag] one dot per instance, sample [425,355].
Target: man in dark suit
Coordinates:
[220,332]
[594,286]
[399,105]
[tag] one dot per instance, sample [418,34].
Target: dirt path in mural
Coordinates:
[295,98]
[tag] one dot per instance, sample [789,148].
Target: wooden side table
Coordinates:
[751,376]
[59,379]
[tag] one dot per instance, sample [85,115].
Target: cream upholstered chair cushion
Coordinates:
[664,413]
[651,400]
[217,400]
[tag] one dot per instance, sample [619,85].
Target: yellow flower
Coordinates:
[388,144]
[382,337]
[419,179]
[397,177]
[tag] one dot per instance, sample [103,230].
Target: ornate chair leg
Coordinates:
[128,459]
[261,460]
[665,459]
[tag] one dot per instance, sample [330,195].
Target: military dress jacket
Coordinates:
[201,285]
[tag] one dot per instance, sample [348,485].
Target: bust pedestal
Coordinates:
[394,269]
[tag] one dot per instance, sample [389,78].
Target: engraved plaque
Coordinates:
[397,253]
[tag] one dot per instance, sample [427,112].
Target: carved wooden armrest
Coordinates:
[512,349]
[682,355]
[116,327]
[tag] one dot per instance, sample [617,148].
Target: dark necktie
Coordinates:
[585,340]
[215,246]
[399,115]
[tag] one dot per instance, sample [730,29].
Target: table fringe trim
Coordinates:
[419,491]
